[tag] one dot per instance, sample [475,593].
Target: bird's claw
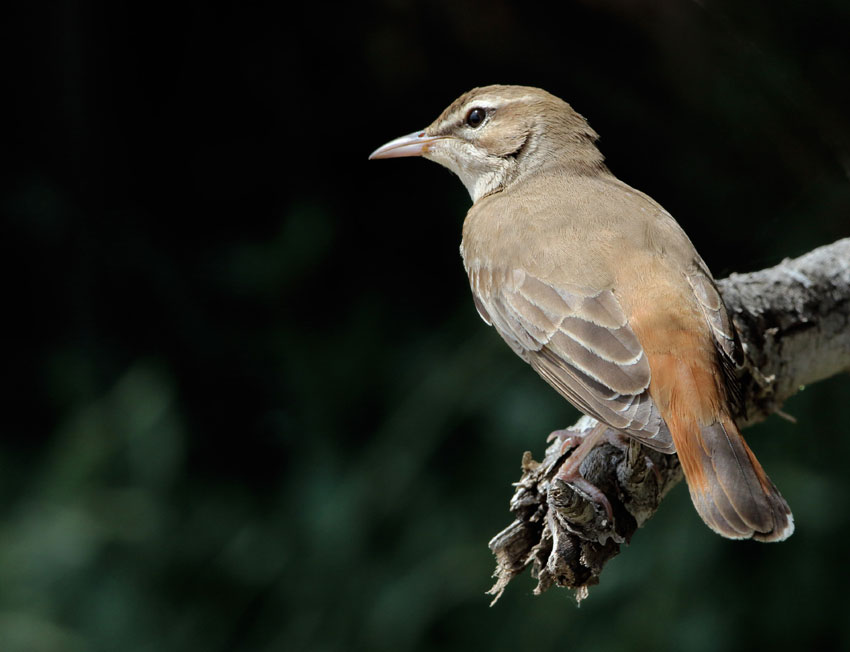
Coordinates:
[586,489]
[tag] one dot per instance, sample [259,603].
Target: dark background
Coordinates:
[248,402]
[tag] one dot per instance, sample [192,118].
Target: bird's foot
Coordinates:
[568,438]
[652,466]
[570,474]
[583,508]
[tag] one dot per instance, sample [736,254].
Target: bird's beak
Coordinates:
[415,144]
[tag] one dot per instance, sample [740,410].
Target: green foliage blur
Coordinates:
[249,403]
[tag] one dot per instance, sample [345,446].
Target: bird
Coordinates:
[599,289]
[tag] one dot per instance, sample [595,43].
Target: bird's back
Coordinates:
[576,229]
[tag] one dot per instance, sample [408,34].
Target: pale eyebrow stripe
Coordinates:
[493,103]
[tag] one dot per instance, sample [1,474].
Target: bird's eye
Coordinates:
[475,117]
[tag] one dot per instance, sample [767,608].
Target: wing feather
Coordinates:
[726,339]
[580,342]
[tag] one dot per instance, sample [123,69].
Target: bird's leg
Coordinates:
[572,438]
[570,471]
[568,438]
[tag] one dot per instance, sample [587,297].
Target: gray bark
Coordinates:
[794,322]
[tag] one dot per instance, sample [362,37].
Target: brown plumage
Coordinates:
[597,287]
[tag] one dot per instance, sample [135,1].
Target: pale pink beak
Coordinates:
[415,144]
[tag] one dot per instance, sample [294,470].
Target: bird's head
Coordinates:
[494,135]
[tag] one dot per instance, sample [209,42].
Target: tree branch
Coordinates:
[794,322]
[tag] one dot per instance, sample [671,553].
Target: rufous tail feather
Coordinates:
[729,488]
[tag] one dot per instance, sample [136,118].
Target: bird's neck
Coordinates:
[573,154]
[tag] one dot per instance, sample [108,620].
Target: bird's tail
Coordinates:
[729,488]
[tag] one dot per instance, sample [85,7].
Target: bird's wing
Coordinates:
[726,340]
[580,342]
